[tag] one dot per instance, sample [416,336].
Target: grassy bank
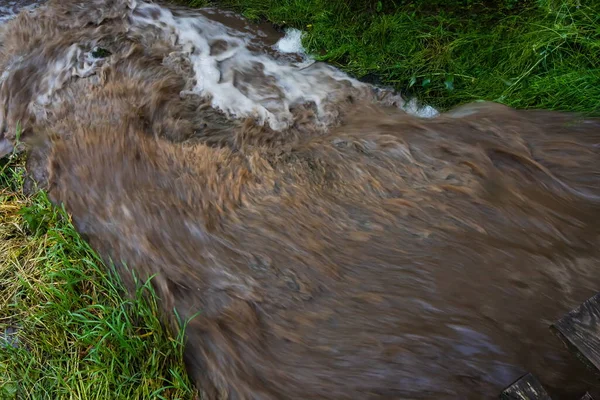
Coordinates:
[523,53]
[79,338]
[66,330]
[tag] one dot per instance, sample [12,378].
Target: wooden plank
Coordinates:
[526,387]
[580,331]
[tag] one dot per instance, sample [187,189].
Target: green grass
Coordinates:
[523,53]
[77,337]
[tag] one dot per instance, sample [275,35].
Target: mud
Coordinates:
[334,246]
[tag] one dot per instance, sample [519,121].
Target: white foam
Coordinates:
[276,85]
[423,111]
[427,112]
[6,13]
[291,42]
[10,11]
[268,99]
[74,63]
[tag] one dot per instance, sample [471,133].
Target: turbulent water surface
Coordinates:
[10,8]
[338,242]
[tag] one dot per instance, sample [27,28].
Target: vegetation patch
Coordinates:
[67,331]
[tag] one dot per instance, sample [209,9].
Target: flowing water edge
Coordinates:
[220,47]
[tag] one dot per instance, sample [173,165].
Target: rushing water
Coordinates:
[336,246]
[240,67]
[10,8]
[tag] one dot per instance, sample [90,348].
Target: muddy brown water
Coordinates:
[335,246]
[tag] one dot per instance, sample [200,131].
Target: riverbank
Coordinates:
[525,54]
[66,330]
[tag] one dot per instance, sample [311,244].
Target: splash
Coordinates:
[291,42]
[221,57]
[234,68]
[10,9]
